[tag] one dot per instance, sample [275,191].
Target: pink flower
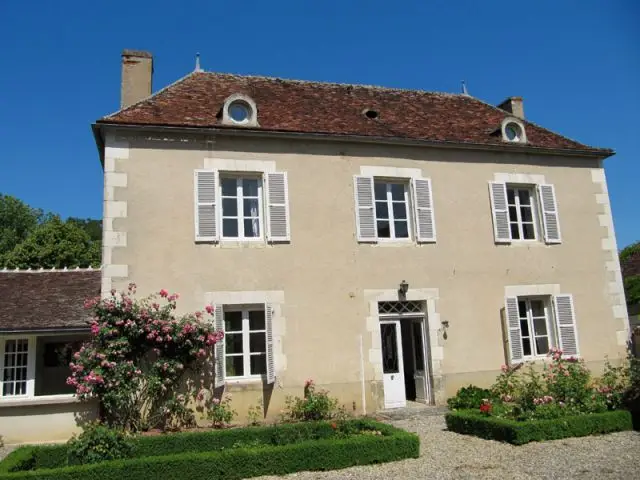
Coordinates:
[209,309]
[132,287]
[504,368]
[113,292]
[164,293]
[95,329]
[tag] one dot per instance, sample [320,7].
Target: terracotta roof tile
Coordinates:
[337,109]
[46,300]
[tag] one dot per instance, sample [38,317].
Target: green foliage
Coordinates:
[630,262]
[217,410]
[468,397]
[237,453]
[17,220]
[255,414]
[98,443]
[55,244]
[519,433]
[316,405]
[632,289]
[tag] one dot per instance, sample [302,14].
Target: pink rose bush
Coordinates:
[142,359]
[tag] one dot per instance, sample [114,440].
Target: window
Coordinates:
[240,112]
[245,342]
[241,207]
[535,327]
[522,212]
[392,205]
[15,366]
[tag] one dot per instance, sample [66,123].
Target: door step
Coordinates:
[412,410]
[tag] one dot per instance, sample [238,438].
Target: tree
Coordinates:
[630,263]
[55,244]
[91,226]
[17,221]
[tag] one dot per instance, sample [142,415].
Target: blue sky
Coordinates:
[576,63]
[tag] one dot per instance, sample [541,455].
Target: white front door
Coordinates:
[392,366]
[421,375]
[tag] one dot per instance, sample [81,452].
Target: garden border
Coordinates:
[471,422]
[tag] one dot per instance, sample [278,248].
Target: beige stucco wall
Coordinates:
[324,271]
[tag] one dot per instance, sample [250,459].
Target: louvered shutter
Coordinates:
[512,319]
[271,367]
[550,219]
[500,212]
[206,218]
[278,207]
[566,323]
[423,210]
[365,209]
[220,366]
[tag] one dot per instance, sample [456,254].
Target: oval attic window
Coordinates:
[239,112]
[371,114]
[513,132]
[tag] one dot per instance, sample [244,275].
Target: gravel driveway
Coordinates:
[447,455]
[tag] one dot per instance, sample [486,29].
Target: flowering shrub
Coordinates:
[468,397]
[255,414]
[217,410]
[316,405]
[98,443]
[141,360]
[485,407]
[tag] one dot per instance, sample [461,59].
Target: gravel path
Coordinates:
[447,455]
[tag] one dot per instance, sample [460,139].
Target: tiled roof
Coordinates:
[46,300]
[335,109]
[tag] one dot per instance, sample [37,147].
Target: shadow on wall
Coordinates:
[267,393]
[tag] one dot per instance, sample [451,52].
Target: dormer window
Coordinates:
[240,110]
[513,131]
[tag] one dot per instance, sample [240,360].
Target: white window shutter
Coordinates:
[566,323]
[365,209]
[220,366]
[278,207]
[500,212]
[206,218]
[423,210]
[550,219]
[271,367]
[513,329]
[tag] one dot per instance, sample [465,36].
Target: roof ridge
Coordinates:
[495,107]
[152,95]
[335,84]
[49,270]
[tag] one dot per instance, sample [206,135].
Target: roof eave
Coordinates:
[595,153]
[50,330]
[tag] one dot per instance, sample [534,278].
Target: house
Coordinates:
[42,323]
[393,245]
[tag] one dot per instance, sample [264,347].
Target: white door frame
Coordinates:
[421,371]
[393,383]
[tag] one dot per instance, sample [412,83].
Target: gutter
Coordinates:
[98,133]
[38,331]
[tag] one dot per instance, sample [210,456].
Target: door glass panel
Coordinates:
[418,346]
[389,348]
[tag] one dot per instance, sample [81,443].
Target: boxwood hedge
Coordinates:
[229,454]
[470,422]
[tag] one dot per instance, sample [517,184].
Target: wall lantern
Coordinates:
[404,288]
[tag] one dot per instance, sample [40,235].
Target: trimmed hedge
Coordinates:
[520,432]
[215,454]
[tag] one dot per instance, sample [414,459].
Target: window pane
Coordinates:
[250,207]
[399,210]
[256,320]
[229,207]
[515,233]
[233,343]
[229,227]
[511,198]
[513,214]
[7,389]
[525,198]
[232,321]
[522,309]
[229,187]
[380,190]
[397,191]
[528,231]
[258,364]
[249,187]
[540,326]
[235,367]
[251,227]
[537,308]
[526,346]
[402,229]
[524,328]
[542,345]
[383,229]
[526,214]
[389,348]
[382,211]
[257,342]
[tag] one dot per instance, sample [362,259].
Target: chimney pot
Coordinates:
[514,106]
[137,76]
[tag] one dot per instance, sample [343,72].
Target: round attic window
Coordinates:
[513,132]
[239,112]
[373,114]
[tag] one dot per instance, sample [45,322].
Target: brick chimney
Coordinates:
[514,106]
[137,74]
